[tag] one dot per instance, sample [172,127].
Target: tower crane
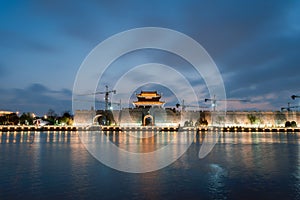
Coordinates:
[106,98]
[295,96]
[288,108]
[214,101]
[117,104]
[107,92]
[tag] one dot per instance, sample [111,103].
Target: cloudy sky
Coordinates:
[255,45]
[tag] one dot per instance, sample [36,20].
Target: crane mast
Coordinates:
[106,97]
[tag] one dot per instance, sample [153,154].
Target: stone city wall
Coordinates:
[84,117]
[255,118]
[135,117]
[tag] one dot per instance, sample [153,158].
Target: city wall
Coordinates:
[84,117]
[169,117]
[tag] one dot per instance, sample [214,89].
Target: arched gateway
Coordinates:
[95,119]
[148,120]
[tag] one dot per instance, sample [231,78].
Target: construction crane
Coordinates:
[117,104]
[295,96]
[183,106]
[288,108]
[214,101]
[103,103]
[106,98]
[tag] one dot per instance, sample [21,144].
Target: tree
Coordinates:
[280,118]
[287,124]
[4,120]
[66,118]
[9,119]
[203,122]
[253,119]
[66,114]
[51,117]
[26,118]
[51,113]
[13,119]
[293,124]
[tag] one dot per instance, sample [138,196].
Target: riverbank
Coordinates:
[144,128]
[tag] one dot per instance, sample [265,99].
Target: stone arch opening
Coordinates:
[95,119]
[148,120]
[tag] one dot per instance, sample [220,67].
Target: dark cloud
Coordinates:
[255,44]
[77,19]
[35,98]
[256,55]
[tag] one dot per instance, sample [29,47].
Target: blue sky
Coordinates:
[255,45]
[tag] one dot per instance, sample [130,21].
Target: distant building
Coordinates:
[148,99]
[5,112]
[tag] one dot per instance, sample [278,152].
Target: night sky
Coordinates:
[255,44]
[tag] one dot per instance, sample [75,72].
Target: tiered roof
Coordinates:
[148,99]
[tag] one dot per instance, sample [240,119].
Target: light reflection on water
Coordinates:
[137,155]
[141,137]
[241,166]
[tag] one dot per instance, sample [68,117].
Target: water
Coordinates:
[48,165]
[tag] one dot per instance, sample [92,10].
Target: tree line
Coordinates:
[27,118]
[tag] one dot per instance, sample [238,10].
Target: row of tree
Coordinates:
[50,118]
[290,124]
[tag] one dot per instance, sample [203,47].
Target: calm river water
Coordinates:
[56,165]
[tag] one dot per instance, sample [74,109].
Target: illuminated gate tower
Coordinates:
[147,100]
